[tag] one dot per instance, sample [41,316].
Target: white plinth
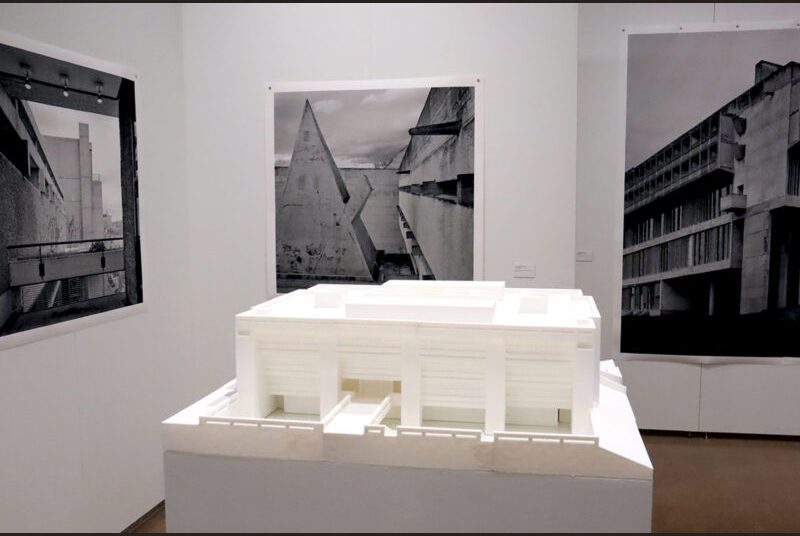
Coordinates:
[232,494]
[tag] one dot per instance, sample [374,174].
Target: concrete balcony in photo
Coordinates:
[733,203]
[708,158]
[52,268]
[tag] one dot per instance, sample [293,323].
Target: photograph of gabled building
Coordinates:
[712,229]
[374,185]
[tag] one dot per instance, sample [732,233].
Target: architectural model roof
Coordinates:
[477,304]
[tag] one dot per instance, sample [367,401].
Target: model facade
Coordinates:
[429,374]
[422,353]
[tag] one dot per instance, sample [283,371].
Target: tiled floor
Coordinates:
[717,484]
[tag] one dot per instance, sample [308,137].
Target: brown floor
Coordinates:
[716,484]
[725,484]
[154,521]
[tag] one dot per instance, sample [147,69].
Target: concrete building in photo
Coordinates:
[318,218]
[437,176]
[50,202]
[712,220]
[380,211]
[83,191]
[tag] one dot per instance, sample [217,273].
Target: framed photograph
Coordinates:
[69,224]
[710,245]
[374,180]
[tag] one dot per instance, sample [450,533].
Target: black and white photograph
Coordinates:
[711,247]
[373,185]
[69,239]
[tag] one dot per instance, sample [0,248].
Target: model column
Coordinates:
[329,383]
[253,399]
[495,395]
[583,390]
[410,380]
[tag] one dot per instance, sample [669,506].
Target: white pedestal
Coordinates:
[229,494]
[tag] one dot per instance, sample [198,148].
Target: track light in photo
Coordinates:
[27,70]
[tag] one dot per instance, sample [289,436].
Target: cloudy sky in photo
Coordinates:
[361,128]
[677,80]
[104,137]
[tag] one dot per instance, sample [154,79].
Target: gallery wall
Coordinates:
[82,411]
[80,442]
[677,394]
[525,56]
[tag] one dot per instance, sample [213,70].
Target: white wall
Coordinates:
[600,133]
[80,439]
[80,447]
[525,55]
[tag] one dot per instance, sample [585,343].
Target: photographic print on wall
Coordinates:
[69,238]
[373,184]
[711,247]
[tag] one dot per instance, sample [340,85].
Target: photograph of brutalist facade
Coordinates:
[374,185]
[711,258]
[69,239]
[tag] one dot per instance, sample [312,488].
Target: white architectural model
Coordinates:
[457,375]
[426,351]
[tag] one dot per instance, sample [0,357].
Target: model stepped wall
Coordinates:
[319,227]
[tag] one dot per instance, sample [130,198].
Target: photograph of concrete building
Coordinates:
[374,185]
[711,247]
[69,241]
